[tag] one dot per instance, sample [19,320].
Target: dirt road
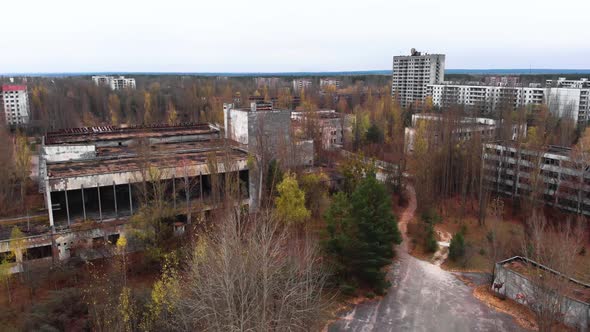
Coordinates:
[423,297]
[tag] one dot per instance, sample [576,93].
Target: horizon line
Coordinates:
[514,71]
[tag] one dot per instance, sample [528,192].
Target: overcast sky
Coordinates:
[279,36]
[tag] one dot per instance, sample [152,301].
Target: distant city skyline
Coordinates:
[306,36]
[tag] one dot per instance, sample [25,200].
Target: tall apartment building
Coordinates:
[412,74]
[14,103]
[564,98]
[302,84]
[115,83]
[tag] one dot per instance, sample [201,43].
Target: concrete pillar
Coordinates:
[130,199]
[188,198]
[99,202]
[67,204]
[83,202]
[48,203]
[115,195]
[201,185]
[174,189]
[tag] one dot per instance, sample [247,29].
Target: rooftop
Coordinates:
[12,87]
[123,159]
[107,133]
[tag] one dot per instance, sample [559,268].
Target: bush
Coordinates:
[482,251]
[431,217]
[457,247]
[347,289]
[463,229]
[431,243]
[370,295]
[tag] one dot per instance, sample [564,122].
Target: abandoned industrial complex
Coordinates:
[94,179]
[98,176]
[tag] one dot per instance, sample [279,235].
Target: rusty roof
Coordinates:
[105,133]
[123,159]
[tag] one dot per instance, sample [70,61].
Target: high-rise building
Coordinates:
[14,102]
[412,73]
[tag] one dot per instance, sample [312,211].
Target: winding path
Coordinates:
[423,297]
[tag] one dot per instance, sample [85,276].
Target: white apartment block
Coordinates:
[14,102]
[568,99]
[485,98]
[115,83]
[302,84]
[412,74]
[325,82]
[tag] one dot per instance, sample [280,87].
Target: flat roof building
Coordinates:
[94,173]
[302,84]
[14,104]
[565,99]
[560,176]
[115,83]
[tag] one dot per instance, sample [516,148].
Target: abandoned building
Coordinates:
[558,174]
[92,173]
[266,131]
[332,128]
[94,176]
[464,128]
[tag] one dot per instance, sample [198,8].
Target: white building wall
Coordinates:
[15,105]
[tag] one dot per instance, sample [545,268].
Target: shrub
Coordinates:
[64,308]
[431,217]
[347,289]
[431,243]
[457,247]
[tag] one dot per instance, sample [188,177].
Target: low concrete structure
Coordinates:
[518,287]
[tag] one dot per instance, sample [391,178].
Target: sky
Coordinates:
[288,36]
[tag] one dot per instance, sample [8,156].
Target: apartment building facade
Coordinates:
[413,73]
[14,104]
[484,98]
[558,174]
[564,98]
[302,84]
[115,83]
[330,81]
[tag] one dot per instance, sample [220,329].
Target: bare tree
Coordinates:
[553,248]
[251,275]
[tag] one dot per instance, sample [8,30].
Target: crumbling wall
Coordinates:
[576,313]
[56,153]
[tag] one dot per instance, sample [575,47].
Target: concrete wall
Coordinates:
[56,153]
[235,123]
[577,313]
[63,242]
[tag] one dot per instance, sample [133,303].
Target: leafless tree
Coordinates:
[251,275]
[555,247]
